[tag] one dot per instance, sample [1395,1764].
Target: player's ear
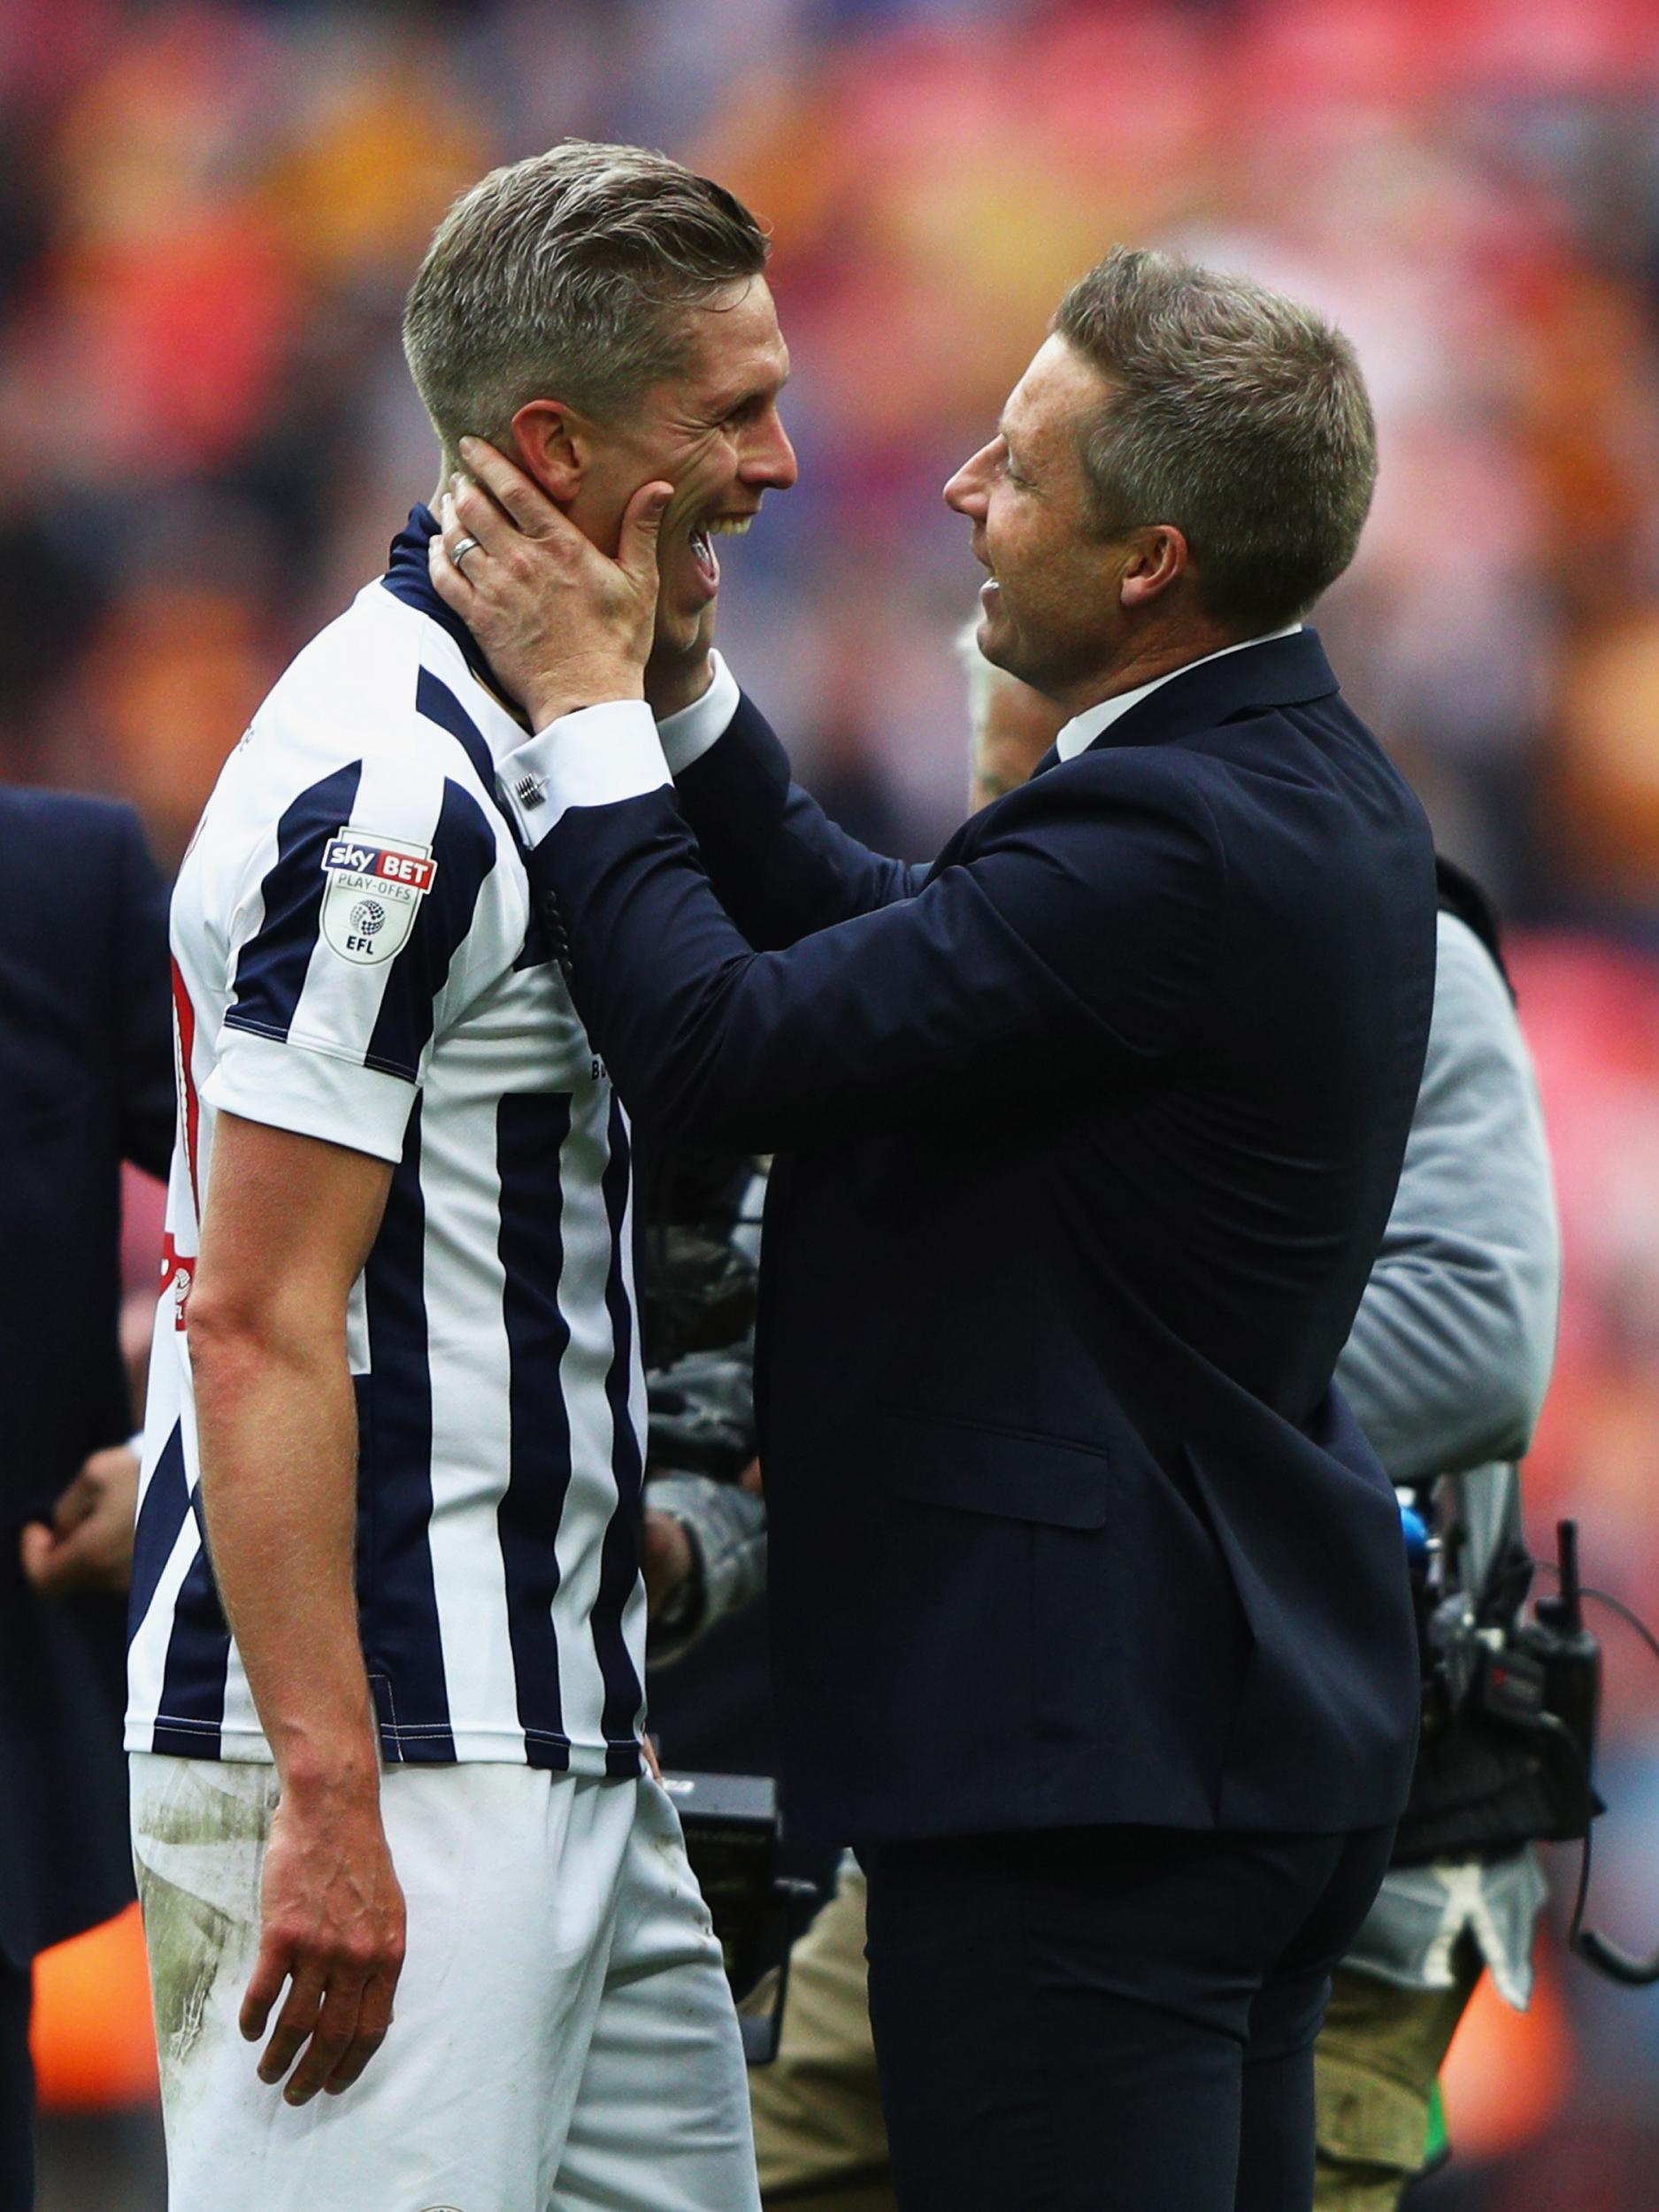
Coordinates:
[554,446]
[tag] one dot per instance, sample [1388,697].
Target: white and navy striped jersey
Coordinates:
[355,958]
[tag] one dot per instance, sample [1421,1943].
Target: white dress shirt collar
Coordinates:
[1081,731]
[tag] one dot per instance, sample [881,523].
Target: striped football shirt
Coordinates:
[356,959]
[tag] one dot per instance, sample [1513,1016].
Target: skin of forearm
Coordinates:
[279,1443]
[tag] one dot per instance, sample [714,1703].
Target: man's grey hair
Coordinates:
[1236,415]
[567,277]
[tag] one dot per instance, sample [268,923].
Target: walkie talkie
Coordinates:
[1571,1655]
[1572,1660]
[1544,1677]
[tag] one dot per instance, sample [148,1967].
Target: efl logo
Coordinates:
[177,1275]
[412,864]
[374,893]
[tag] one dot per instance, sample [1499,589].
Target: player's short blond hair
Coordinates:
[567,277]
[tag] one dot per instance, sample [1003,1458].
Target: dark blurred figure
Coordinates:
[86,1082]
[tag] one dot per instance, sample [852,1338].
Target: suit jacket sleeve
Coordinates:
[142,1007]
[779,865]
[1076,947]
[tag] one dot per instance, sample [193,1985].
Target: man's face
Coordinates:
[1052,614]
[715,434]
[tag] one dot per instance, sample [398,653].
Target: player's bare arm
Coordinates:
[289,1225]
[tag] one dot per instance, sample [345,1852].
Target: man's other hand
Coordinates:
[563,626]
[333,1930]
[669,1562]
[677,676]
[88,1543]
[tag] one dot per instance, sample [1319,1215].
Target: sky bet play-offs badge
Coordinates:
[374,896]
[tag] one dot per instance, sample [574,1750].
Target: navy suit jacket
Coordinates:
[86,1082]
[1088,1135]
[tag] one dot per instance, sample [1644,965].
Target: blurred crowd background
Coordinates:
[209,214]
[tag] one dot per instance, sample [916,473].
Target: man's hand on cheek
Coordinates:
[562,626]
[676,675]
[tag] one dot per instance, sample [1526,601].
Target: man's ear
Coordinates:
[553,447]
[1158,556]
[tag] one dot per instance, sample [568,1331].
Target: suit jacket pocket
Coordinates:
[1009,1473]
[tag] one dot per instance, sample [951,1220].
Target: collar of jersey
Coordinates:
[407,578]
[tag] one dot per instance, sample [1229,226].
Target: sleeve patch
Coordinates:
[374,890]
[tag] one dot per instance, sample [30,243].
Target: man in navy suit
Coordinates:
[86,1082]
[1091,1619]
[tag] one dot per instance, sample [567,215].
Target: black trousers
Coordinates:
[1108,2019]
[17,2090]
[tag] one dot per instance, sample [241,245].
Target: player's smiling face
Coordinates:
[715,433]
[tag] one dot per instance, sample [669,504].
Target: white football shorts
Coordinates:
[564,2036]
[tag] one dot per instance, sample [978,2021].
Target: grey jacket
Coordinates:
[1446,1369]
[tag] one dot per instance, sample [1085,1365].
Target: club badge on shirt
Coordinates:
[373,895]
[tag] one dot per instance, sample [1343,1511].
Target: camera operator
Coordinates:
[1447,1368]
[704,1551]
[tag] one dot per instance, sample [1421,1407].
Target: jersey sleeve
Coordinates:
[350,946]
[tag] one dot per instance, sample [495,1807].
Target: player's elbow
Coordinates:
[236,1327]
[226,1341]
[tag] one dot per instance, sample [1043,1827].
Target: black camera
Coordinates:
[732,1837]
[1509,1712]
